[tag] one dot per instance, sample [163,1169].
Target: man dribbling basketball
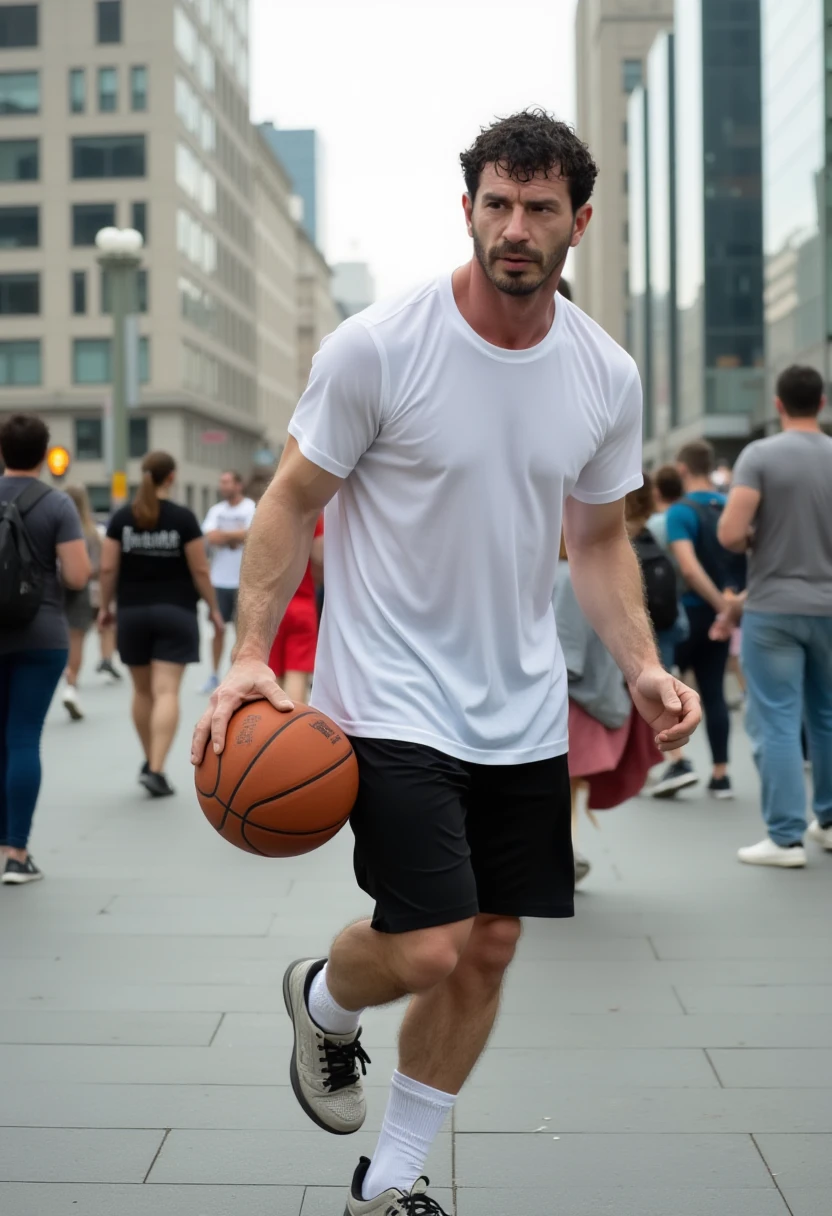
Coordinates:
[456,425]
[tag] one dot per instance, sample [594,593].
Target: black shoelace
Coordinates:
[420,1205]
[341,1060]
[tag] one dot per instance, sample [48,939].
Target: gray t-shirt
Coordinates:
[594,680]
[790,562]
[50,522]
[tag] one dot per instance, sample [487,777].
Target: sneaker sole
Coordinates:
[775,865]
[19,880]
[722,795]
[667,790]
[153,792]
[293,1067]
[73,710]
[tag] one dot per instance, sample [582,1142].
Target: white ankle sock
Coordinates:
[325,1010]
[414,1117]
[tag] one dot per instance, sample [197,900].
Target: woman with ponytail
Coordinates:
[155,567]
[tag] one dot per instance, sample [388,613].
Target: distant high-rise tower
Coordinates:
[612,41]
[302,155]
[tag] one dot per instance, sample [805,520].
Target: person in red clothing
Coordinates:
[292,657]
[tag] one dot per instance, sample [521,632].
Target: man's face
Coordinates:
[229,487]
[522,231]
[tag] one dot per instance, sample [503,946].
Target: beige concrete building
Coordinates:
[131,112]
[318,314]
[277,242]
[612,40]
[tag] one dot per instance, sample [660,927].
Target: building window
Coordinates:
[90,218]
[138,88]
[18,25]
[77,90]
[19,294]
[19,160]
[109,21]
[89,438]
[625,133]
[78,283]
[107,90]
[20,362]
[19,93]
[92,361]
[141,291]
[625,232]
[625,182]
[139,218]
[631,74]
[108,156]
[138,438]
[19,227]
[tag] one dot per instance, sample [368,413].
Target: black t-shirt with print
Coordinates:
[154,569]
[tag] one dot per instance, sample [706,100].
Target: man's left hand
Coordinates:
[668,705]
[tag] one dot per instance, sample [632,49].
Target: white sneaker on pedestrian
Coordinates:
[767,853]
[71,703]
[821,835]
[392,1202]
[325,1069]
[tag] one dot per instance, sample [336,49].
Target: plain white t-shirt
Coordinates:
[442,544]
[223,517]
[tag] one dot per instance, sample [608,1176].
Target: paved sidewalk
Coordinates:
[668,1053]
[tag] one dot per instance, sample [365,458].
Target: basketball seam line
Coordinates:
[308,714]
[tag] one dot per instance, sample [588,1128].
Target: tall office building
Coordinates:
[353,287]
[797,191]
[612,41]
[302,154]
[130,112]
[719,280]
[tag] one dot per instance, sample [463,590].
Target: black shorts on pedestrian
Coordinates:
[227,603]
[438,840]
[164,633]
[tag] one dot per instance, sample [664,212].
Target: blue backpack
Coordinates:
[726,570]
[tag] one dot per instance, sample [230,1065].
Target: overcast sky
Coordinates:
[396,89]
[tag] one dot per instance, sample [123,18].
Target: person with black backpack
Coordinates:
[710,572]
[42,550]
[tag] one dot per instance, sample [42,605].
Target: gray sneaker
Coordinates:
[391,1203]
[324,1067]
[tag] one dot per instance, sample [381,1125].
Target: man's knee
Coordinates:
[426,957]
[492,945]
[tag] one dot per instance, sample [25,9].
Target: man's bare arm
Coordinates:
[695,576]
[737,519]
[275,556]
[607,580]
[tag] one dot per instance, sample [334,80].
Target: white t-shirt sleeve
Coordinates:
[339,415]
[616,467]
[210,522]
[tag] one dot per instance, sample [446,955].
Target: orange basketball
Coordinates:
[285,783]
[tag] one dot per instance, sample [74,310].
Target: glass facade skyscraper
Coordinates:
[300,153]
[639,324]
[719,212]
[662,236]
[797,92]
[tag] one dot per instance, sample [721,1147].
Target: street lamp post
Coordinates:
[120,258]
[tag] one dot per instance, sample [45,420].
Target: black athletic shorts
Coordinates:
[227,603]
[438,840]
[164,632]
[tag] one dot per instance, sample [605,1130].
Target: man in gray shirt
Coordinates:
[780,510]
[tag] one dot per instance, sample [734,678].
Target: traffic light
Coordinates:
[57,462]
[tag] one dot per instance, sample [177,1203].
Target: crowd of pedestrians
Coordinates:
[731,558]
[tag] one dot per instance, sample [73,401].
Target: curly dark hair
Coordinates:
[530,142]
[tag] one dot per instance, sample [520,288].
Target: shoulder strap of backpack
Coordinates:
[30,497]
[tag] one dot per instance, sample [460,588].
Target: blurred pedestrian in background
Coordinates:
[663,590]
[611,749]
[33,652]
[225,528]
[667,489]
[80,613]
[155,566]
[780,509]
[709,570]
[292,657]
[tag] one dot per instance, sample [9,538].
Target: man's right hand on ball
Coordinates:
[248,680]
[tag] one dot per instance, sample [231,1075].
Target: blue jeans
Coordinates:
[28,681]
[787,661]
[668,639]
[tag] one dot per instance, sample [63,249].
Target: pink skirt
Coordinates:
[614,763]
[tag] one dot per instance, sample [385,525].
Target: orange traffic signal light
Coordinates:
[57,461]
